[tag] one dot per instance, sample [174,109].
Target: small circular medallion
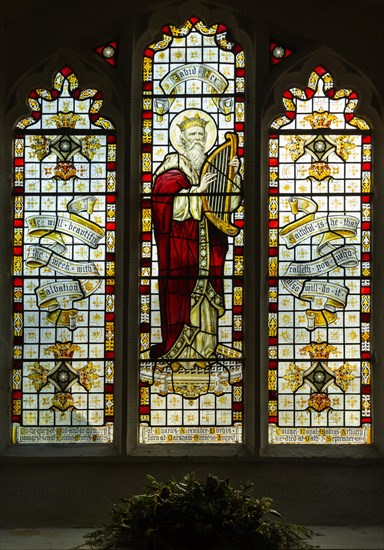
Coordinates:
[278,52]
[108,52]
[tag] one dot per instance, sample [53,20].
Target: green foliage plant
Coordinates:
[190,514]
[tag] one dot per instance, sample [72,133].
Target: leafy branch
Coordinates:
[192,514]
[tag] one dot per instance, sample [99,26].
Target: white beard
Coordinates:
[195,154]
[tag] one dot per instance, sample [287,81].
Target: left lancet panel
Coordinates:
[64,267]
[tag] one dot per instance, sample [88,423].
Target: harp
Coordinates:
[216,202]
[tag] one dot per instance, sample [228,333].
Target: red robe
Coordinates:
[178,257]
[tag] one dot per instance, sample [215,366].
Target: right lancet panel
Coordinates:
[319,268]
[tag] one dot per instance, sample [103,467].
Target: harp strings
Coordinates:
[217,192]
[217,199]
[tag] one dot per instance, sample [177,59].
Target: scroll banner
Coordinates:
[50,255]
[75,226]
[332,227]
[345,256]
[336,298]
[193,71]
[48,294]
[40,256]
[74,290]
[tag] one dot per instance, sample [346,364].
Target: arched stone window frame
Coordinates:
[127,464]
[345,76]
[153,33]
[90,72]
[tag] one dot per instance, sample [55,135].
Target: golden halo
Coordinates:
[174,130]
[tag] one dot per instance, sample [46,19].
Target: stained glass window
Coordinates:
[108,52]
[191,287]
[64,267]
[278,52]
[319,267]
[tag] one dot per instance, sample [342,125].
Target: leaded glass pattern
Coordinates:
[64,267]
[278,52]
[109,52]
[191,286]
[319,268]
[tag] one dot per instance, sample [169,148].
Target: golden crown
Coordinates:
[190,122]
[63,350]
[320,171]
[318,350]
[320,119]
[65,170]
[62,402]
[319,402]
[65,119]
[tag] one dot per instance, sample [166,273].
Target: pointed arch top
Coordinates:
[329,107]
[73,107]
[171,32]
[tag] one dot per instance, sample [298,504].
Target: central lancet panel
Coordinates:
[191,286]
